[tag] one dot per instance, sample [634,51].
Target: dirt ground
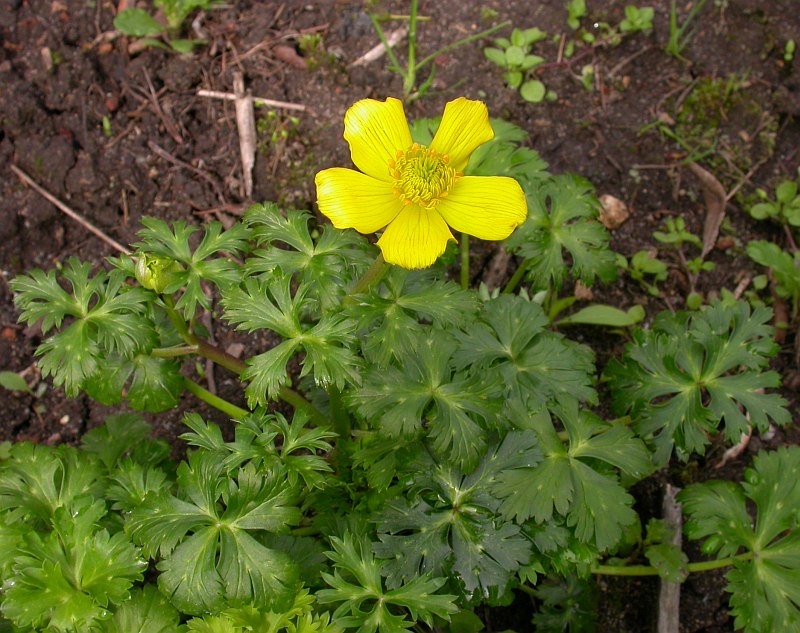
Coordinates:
[117,134]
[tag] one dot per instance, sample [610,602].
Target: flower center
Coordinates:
[422,176]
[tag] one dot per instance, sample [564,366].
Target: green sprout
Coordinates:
[637,19]
[514,56]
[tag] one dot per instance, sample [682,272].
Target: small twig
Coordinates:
[379,50]
[246,125]
[259,101]
[169,124]
[67,211]
[612,73]
[669,598]
[176,161]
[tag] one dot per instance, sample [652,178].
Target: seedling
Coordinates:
[785,269]
[515,57]
[677,237]
[576,9]
[411,68]
[645,265]
[785,208]
[679,34]
[139,23]
[637,19]
[788,51]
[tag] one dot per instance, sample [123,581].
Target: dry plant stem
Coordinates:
[246,125]
[378,51]
[67,211]
[669,597]
[259,101]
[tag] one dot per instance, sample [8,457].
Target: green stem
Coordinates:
[223,359]
[172,352]
[341,421]
[461,42]
[296,399]
[464,261]
[373,275]
[215,401]
[516,277]
[646,570]
[411,70]
[382,37]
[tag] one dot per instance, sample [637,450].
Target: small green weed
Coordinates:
[514,56]
[135,22]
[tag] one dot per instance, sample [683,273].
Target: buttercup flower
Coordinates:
[417,193]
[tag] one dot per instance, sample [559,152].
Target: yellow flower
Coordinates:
[417,193]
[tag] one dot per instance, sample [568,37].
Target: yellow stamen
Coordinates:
[422,176]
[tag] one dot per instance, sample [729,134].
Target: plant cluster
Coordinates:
[161,33]
[514,54]
[444,449]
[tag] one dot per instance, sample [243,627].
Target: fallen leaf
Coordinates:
[715,198]
[613,211]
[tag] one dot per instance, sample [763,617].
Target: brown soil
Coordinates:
[169,153]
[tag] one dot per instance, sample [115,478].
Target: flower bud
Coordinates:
[156,272]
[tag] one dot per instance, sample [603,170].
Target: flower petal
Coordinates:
[415,238]
[488,207]
[354,200]
[375,131]
[464,127]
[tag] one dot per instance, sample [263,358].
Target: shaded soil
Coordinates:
[118,135]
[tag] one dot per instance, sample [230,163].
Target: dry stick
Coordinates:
[669,598]
[67,211]
[259,101]
[246,125]
[169,124]
[154,147]
[378,51]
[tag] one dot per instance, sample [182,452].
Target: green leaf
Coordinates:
[65,579]
[532,91]
[148,383]
[424,390]
[591,501]
[605,315]
[35,481]
[12,381]
[535,364]
[107,317]
[785,268]
[765,586]
[669,560]
[325,267]
[562,217]
[198,264]
[514,56]
[495,55]
[677,380]
[137,23]
[270,305]
[210,557]
[451,521]
[267,441]
[124,434]
[356,584]
[147,611]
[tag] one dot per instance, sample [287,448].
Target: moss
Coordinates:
[722,123]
